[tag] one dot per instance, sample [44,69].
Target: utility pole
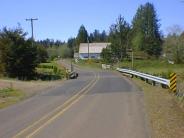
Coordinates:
[31,20]
[71,66]
[88,47]
[132,59]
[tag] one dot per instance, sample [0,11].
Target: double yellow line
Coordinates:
[34,128]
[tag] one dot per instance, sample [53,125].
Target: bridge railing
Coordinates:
[146,76]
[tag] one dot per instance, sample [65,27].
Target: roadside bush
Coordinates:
[20,57]
[106,56]
[42,54]
[46,65]
[174,48]
[50,71]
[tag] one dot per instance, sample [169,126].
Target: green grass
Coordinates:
[156,67]
[47,64]
[95,64]
[10,96]
[44,70]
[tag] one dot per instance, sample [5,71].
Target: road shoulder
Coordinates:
[165,117]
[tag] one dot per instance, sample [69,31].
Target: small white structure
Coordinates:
[104,66]
[94,50]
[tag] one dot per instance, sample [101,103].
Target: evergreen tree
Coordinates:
[3,52]
[20,57]
[119,37]
[82,36]
[71,45]
[106,55]
[91,38]
[103,36]
[42,54]
[146,34]
[96,35]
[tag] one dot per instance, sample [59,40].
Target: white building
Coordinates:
[95,50]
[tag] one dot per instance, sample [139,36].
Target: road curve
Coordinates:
[108,106]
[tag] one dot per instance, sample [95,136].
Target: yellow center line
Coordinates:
[56,109]
[62,111]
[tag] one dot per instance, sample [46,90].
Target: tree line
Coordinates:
[50,42]
[142,35]
[84,37]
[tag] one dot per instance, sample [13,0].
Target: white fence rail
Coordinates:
[145,76]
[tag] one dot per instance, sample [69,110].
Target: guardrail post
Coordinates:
[164,86]
[147,81]
[173,82]
[153,83]
[142,79]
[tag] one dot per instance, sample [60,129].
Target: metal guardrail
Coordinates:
[166,82]
[146,76]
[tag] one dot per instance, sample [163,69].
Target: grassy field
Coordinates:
[165,116]
[94,64]
[10,96]
[155,66]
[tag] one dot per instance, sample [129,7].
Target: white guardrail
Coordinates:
[145,76]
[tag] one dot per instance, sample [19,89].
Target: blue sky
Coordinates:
[61,19]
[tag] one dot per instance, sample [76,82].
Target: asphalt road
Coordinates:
[99,104]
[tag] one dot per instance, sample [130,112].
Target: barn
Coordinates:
[94,50]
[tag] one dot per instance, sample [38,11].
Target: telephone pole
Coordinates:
[88,48]
[31,20]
